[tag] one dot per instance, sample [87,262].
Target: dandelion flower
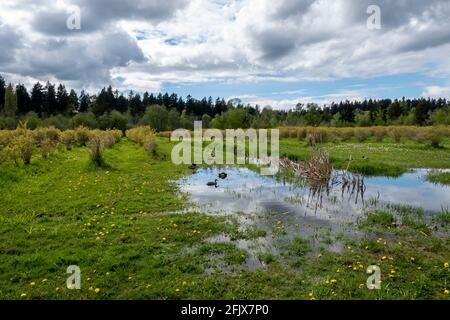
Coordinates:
[361,286]
[446,265]
[44,280]
[333,281]
[97,290]
[33,284]
[413,259]
[164,239]
[177,290]
[23,295]
[446,291]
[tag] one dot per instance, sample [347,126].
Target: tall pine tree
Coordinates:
[2,93]
[10,108]
[23,99]
[62,99]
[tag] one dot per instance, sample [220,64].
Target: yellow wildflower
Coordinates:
[97,290]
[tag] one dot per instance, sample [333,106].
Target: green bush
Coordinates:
[84,119]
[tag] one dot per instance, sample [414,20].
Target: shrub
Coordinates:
[83,119]
[150,146]
[58,121]
[395,134]
[435,137]
[144,136]
[68,138]
[47,146]
[23,146]
[362,134]
[346,134]
[379,133]
[301,133]
[96,150]
[32,120]
[82,134]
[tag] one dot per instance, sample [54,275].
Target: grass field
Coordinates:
[119,224]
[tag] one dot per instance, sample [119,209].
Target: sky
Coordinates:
[264,52]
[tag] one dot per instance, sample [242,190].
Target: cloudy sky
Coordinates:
[262,51]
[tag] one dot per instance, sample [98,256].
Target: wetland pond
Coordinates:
[286,209]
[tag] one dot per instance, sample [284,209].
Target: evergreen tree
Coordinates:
[84,102]
[10,108]
[51,105]
[37,98]
[136,106]
[62,99]
[23,99]
[72,102]
[421,112]
[2,92]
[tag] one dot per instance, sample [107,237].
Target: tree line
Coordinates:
[53,105]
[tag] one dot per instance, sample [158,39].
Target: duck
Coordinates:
[223,175]
[192,166]
[212,184]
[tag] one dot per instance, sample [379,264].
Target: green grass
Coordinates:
[439,177]
[380,218]
[374,158]
[119,224]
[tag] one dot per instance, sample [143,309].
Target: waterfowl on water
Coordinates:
[212,184]
[223,175]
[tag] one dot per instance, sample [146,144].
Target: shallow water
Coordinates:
[247,191]
[286,210]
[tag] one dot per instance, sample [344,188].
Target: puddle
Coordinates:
[286,210]
[247,191]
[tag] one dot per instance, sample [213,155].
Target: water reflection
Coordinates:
[343,199]
[288,208]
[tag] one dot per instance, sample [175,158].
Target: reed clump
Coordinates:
[144,136]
